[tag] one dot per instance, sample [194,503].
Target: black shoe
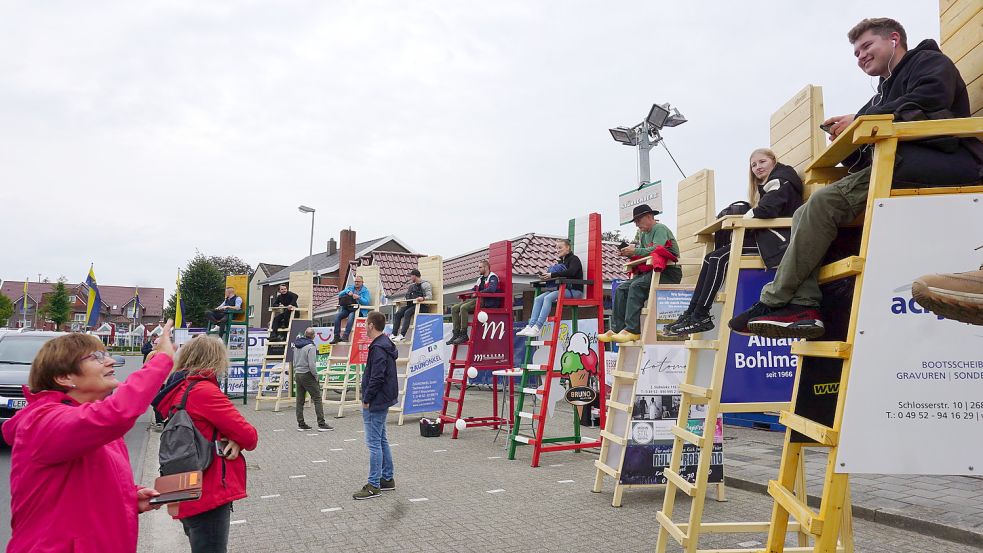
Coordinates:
[791,321]
[335,340]
[324,427]
[739,323]
[301,427]
[463,339]
[453,339]
[670,329]
[698,322]
[387,485]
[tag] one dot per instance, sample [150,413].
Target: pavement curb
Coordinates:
[928,528]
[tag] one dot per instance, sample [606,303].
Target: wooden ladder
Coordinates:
[274,373]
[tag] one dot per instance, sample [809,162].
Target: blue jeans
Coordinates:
[343,313]
[544,303]
[380,457]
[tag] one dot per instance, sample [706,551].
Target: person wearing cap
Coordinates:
[420,290]
[653,239]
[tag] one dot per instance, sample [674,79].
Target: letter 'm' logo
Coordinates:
[488,330]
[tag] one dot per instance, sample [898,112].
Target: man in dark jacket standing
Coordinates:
[380,391]
[917,84]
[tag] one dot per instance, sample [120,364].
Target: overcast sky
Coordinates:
[134,133]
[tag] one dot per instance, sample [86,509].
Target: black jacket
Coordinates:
[574,270]
[780,195]
[286,299]
[380,386]
[925,85]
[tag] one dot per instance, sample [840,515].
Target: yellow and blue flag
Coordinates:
[178,315]
[92,306]
[23,302]
[136,303]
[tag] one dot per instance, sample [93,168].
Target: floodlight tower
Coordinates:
[646,135]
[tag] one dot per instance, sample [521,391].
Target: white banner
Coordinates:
[650,194]
[915,403]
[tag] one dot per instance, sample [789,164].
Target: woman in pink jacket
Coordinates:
[71,486]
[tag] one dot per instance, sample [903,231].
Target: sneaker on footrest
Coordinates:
[956,296]
[739,323]
[693,324]
[791,321]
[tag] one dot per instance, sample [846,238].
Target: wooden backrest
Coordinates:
[302,284]
[796,137]
[500,261]
[961,31]
[241,285]
[696,208]
[432,270]
[585,239]
[372,280]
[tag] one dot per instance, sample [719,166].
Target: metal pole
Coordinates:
[644,146]
[310,255]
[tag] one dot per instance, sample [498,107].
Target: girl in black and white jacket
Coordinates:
[774,190]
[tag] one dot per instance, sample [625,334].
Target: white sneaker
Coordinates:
[216,328]
[534,331]
[397,339]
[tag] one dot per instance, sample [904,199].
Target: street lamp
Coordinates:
[659,117]
[310,255]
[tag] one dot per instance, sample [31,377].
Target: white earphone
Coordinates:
[894,44]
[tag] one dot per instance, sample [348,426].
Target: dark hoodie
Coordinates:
[781,195]
[380,386]
[925,85]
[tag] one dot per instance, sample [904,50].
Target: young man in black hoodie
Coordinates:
[285,303]
[917,84]
[380,391]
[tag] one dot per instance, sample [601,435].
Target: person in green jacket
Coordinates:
[653,239]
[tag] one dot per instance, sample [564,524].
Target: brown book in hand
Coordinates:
[184,486]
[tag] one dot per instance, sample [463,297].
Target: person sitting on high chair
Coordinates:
[419,291]
[917,84]
[287,300]
[488,283]
[568,266]
[653,239]
[220,314]
[774,190]
[349,300]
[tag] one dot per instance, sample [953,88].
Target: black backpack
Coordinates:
[722,238]
[182,447]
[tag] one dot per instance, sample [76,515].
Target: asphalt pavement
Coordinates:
[136,442]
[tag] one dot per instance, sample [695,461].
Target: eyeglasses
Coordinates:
[99,356]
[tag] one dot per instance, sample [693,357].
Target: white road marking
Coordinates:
[279,429]
[336,449]
[320,461]
[564,481]
[305,476]
[496,491]
[352,440]
[330,509]
[496,457]
[269,496]
[418,499]
[439,450]
[557,465]
[242,521]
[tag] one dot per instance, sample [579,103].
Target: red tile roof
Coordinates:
[152,299]
[531,254]
[324,292]
[393,268]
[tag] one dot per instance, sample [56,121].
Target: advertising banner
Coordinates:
[758,369]
[650,194]
[576,356]
[655,412]
[492,342]
[425,371]
[916,379]
[359,352]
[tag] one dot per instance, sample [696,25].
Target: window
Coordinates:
[132,312]
[78,317]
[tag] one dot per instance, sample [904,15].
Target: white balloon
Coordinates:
[472,372]
[482,317]
[460,424]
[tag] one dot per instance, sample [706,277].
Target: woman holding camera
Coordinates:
[199,364]
[71,487]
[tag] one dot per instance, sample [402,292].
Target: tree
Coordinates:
[230,265]
[202,288]
[612,236]
[6,309]
[57,306]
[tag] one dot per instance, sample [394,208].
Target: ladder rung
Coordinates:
[458,362]
[456,380]
[702,344]
[680,482]
[276,343]
[671,527]
[808,519]
[624,374]
[530,391]
[338,358]
[721,297]
[613,437]
[534,368]
[684,434]
[846,267]
[818,432]
[606,469]
[274,357]
[830,350]
[522,438]
[645,311]
[541,343]
[619,406]
[694,390]
[525,415]
[453,399]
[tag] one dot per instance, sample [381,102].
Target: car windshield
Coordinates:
[20,349]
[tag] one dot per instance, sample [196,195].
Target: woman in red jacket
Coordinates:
[206,520]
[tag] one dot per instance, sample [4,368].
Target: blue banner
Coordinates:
[758,369]
[425,372]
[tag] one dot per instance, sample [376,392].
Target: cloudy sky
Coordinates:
[134,133]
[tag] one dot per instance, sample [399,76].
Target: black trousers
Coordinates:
[208,532]
[407,312]
[281,320]
[712,277]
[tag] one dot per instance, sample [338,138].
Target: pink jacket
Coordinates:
[71,486]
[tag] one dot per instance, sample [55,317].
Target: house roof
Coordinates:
[531,254]
[323,292]
[269,269]
[393,268]
[152,299]
[322,263]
